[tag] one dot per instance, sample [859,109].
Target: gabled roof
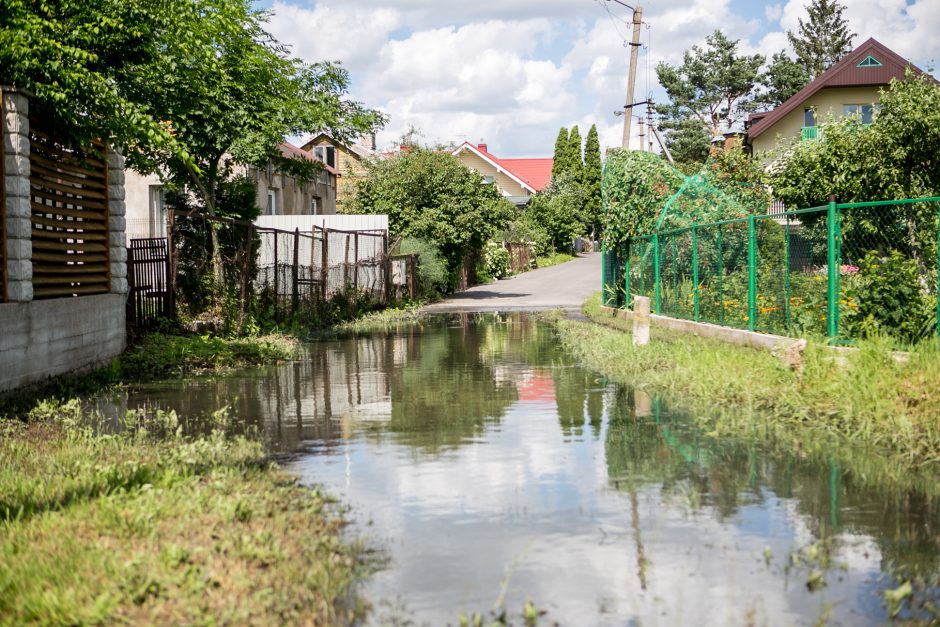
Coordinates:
[290,151]
[357,151]
[853,70]
[532,174]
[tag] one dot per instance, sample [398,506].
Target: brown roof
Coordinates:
[845,73]
[290,151]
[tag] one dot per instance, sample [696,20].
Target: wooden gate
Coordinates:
[150,293]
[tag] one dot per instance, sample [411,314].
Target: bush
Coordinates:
[432,271]
[557,210]
[496,261]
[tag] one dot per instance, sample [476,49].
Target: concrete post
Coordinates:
[117,225]
[17,215]
[641,320]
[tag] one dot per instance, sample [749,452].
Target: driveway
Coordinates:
[564,286]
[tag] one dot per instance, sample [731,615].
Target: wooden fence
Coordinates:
[69,201]
[150,291]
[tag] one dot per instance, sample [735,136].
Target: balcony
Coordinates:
[811,133]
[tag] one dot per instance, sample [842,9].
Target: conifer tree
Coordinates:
[823,39]
[591,181]
[575,160]
[560,164]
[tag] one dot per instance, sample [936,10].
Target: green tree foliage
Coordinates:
[783,78]
[708,93]
[432,196]
[575,160]
[823,39]
[558,210]
[636,185]
[190,88]
[591,181]
[560,157]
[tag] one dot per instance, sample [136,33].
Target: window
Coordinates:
[157,219]
[809,116]
[489,179]
[869,61]
[314,206]
[326,154]
[866,112]
[271,209]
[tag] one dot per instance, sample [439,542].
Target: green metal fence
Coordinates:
[841,271]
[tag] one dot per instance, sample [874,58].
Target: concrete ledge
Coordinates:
[44,338]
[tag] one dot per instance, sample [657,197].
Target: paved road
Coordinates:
[564,286]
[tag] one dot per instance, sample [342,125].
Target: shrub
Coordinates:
[496,262]
[432,271]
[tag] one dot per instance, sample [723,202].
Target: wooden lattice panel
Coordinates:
[69,220]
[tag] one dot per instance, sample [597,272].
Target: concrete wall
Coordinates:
[348,164]
[828,103]
[137,200]
[292,197]
[43,338]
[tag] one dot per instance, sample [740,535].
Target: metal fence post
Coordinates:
[938,269]
[656,286]
[832,261]
[603,275]
[277,296]
[786,277]
[324,263]
[695,306]
[751,273]
[721,287]
[626,276]
[295,296]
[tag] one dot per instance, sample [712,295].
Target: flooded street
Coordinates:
[486,465]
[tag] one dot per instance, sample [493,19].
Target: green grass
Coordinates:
[132,528]
[871,400]
[384,320]
[553,260]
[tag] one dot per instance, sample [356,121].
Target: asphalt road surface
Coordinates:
[564,286]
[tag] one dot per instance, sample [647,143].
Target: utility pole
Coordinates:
[649,123]
[631,78]
[642,134]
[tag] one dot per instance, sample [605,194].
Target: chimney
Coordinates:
[404,148]
[482,147]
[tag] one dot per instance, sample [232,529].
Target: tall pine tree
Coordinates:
[575,163]
[591,182]
[560,163]
[823,39]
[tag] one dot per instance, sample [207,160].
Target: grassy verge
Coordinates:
[552,260]
[384,320]
[132,528]
[872,401]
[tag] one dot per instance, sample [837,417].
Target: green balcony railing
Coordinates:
[811,133]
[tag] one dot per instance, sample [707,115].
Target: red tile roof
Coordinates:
[534,173]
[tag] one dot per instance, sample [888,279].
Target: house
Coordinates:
[850,87]
[278,194]
[516,179]
[347,160]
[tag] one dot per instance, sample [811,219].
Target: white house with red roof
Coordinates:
[516,179]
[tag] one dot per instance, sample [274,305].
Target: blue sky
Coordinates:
[511,72]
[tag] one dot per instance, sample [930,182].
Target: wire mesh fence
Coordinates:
[842,271]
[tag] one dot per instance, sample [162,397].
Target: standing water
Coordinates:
[488,467]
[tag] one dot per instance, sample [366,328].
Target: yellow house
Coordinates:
[516,179]
[347,160]
[850,87]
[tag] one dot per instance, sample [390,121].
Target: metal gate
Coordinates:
[150,293]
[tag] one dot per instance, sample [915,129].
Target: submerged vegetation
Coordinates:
[148,526]
[871,400]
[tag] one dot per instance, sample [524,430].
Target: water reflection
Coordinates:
[474,445]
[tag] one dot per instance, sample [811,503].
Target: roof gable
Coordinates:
[354,151]
[531,174]
[853,70]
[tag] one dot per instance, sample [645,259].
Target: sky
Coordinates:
[510,73]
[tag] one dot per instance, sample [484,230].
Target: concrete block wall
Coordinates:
[44,338]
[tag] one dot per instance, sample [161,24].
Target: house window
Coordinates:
[326,154]
[271,209]
[157,217]
[809,116]
[866,112]
[869,61]
[489,179]
[314,206]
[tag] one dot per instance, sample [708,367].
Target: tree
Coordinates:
[823,39]
[575,160]
[559,163]
[783,78]
[591,181]
[434,197]
[708,93]
[188,88]
[557,209]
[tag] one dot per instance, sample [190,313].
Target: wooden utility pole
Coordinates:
[631,78]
